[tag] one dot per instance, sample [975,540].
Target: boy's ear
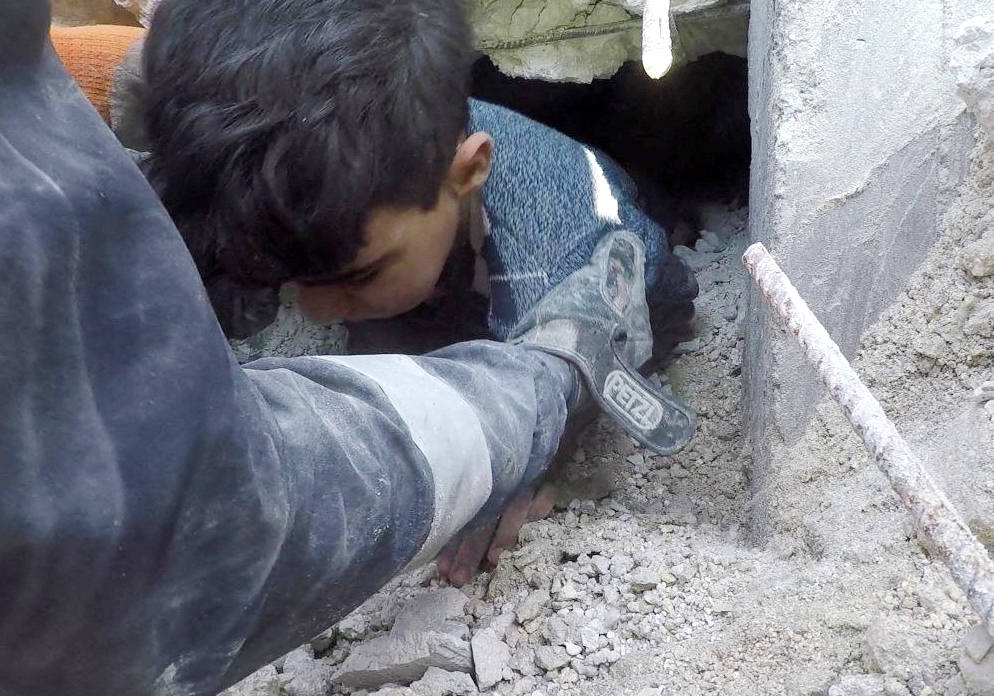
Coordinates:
[471,165]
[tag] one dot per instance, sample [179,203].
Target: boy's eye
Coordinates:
[360,277]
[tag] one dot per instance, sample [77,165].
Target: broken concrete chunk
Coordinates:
[532,605]
[977,643]
[977,258]
[894,647]
[684,572]
[601,563]
[393,690]
[523,661]
[438,682]
[865,685]
[981,322]
[355,626]
[556,630]
[265,682]
[305,676]
[970,61]
[430,612]
[551,657]
[976,664]
[858,685]
[490,656]
[604,657]
[323,641]
[400,659]
[644,580]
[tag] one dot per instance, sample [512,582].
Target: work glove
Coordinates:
[598,320]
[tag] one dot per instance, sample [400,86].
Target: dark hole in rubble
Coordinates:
[684,138]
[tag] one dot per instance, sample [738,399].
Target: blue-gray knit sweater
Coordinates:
[549,200]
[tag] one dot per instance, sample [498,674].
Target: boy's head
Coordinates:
[316,141]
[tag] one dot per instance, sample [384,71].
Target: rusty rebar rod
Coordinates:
[934,515]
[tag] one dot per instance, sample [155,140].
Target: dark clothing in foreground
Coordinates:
[170,521]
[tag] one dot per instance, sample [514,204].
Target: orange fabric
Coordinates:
[91,54]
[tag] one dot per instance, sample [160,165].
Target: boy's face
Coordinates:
[397,269]
[406,249]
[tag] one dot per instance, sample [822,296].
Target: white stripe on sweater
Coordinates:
[447,431]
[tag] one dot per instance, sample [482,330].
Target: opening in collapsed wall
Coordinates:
[683,138]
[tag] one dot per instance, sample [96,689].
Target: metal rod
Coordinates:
[657,44]
[934,515]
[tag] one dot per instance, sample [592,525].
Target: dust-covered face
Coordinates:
[396,271]
[406,249]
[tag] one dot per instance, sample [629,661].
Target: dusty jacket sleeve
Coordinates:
[168,520]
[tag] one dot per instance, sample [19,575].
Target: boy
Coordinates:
[172,521]
[311,143]
[331,144]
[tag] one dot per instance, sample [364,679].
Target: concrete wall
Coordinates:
[859,143]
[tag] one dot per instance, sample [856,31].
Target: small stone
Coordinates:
[323,641]
[621,564]
[612,595]
[978,673]
[977,643]
[479,609]
[532,605]
[892,687]
[684,572]
[402,659]
[264,682]
[438,682]
[305,676]
[354,627]
[812,680]
[568,592]
[430,611]
[981,322]
[668,578]
[590,638]
[677,471]
[710,240]
[649,691]
[978,258]
[687,347]
[723,608]
[551,657]
[392,690]
[892,647]
[858,685]
[523,661]
[490,656]
[604,657]
[572,649]
[695,259]
[556,630]
[644,579]
[602,564]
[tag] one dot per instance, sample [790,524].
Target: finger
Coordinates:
[543,501]
[470,555]
[446,557]
[514,516]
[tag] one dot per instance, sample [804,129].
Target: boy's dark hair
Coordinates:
[277,125]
